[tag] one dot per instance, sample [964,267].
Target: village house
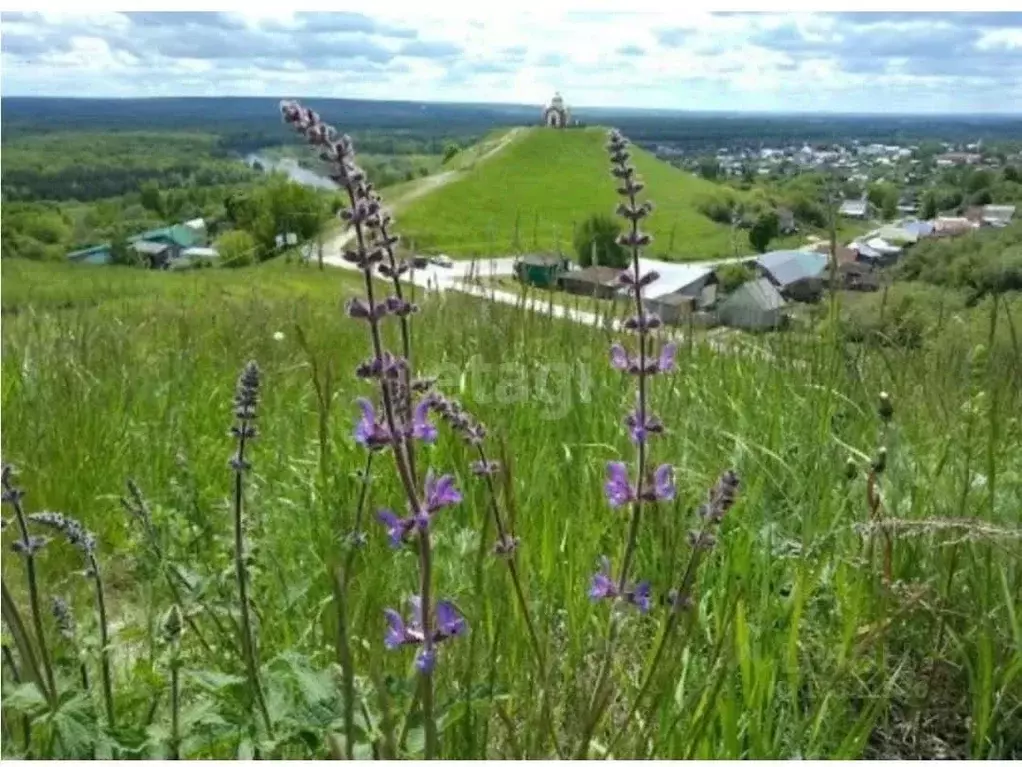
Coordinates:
[541,271]
[595,281]
[797,274]
[998,215]
[854,209]
[755,305]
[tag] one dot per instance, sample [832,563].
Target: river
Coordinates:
[294,171]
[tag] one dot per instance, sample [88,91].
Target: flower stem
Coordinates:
[242,575]
[33,589]
[104,639]
[404,471]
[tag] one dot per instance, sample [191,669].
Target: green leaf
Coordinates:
[245,750]
[202,712]
[214,680]
[24,699]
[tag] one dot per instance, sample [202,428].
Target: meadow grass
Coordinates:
[528,197]
[797,646]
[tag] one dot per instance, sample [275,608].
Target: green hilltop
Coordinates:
[543,182]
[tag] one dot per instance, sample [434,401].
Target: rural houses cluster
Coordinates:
[859,162]
[693,294]
[170,247]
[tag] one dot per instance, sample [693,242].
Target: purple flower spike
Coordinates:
[425,661]
[396,634]
[421,427]
[619,357]
[397,528]
[663,483]
[440,492]
[602,586]
[617,489]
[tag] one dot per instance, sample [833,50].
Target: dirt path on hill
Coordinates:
[426,185]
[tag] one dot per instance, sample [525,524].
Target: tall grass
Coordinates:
[797,645]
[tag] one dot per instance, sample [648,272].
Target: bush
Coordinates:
[766,228]
[597,238]
[237,248]
[734,275]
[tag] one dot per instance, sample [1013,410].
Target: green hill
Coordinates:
[542,183]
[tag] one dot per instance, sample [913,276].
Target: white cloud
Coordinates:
[875,62]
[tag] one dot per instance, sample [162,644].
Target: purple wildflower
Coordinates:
[640,596]
[425,661]
[397,527]
[640,431]
[440,492]
[369,432]
[666,363]
[663,483]
[421,427]
[617,488]
[619,357]
[449,623]
[602,585]
[485,468]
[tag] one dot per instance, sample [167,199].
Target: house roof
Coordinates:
[760,293]
[853,207]
[882,246]
[199,253]
[893,233]
[865,250]
[673,299]
[788,266]
[918,228]
[149,248]
[178,234]
[86,252]
[675,278]
[598,275]
[541,260]
[998,212]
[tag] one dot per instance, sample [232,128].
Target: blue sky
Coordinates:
[824,62]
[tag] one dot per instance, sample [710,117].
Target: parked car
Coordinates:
[443,261]
[420,262]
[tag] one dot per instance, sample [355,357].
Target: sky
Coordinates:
[874,62]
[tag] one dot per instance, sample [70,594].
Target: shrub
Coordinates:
[596,242]
[236,248]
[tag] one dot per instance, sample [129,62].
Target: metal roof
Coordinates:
[761,293]
[788,266]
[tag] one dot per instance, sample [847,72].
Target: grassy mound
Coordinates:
[528,196]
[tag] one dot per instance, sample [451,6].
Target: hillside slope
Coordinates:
[547,181]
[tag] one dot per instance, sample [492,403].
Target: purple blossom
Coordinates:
[369,432]
[640,596]
[440,492]
[640,431]
[425,661]
[421,427]
[666,363]
[397,527]
[485,468]
[448,623]
[619,357]
[602,585]
[617,488]
[663,483]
